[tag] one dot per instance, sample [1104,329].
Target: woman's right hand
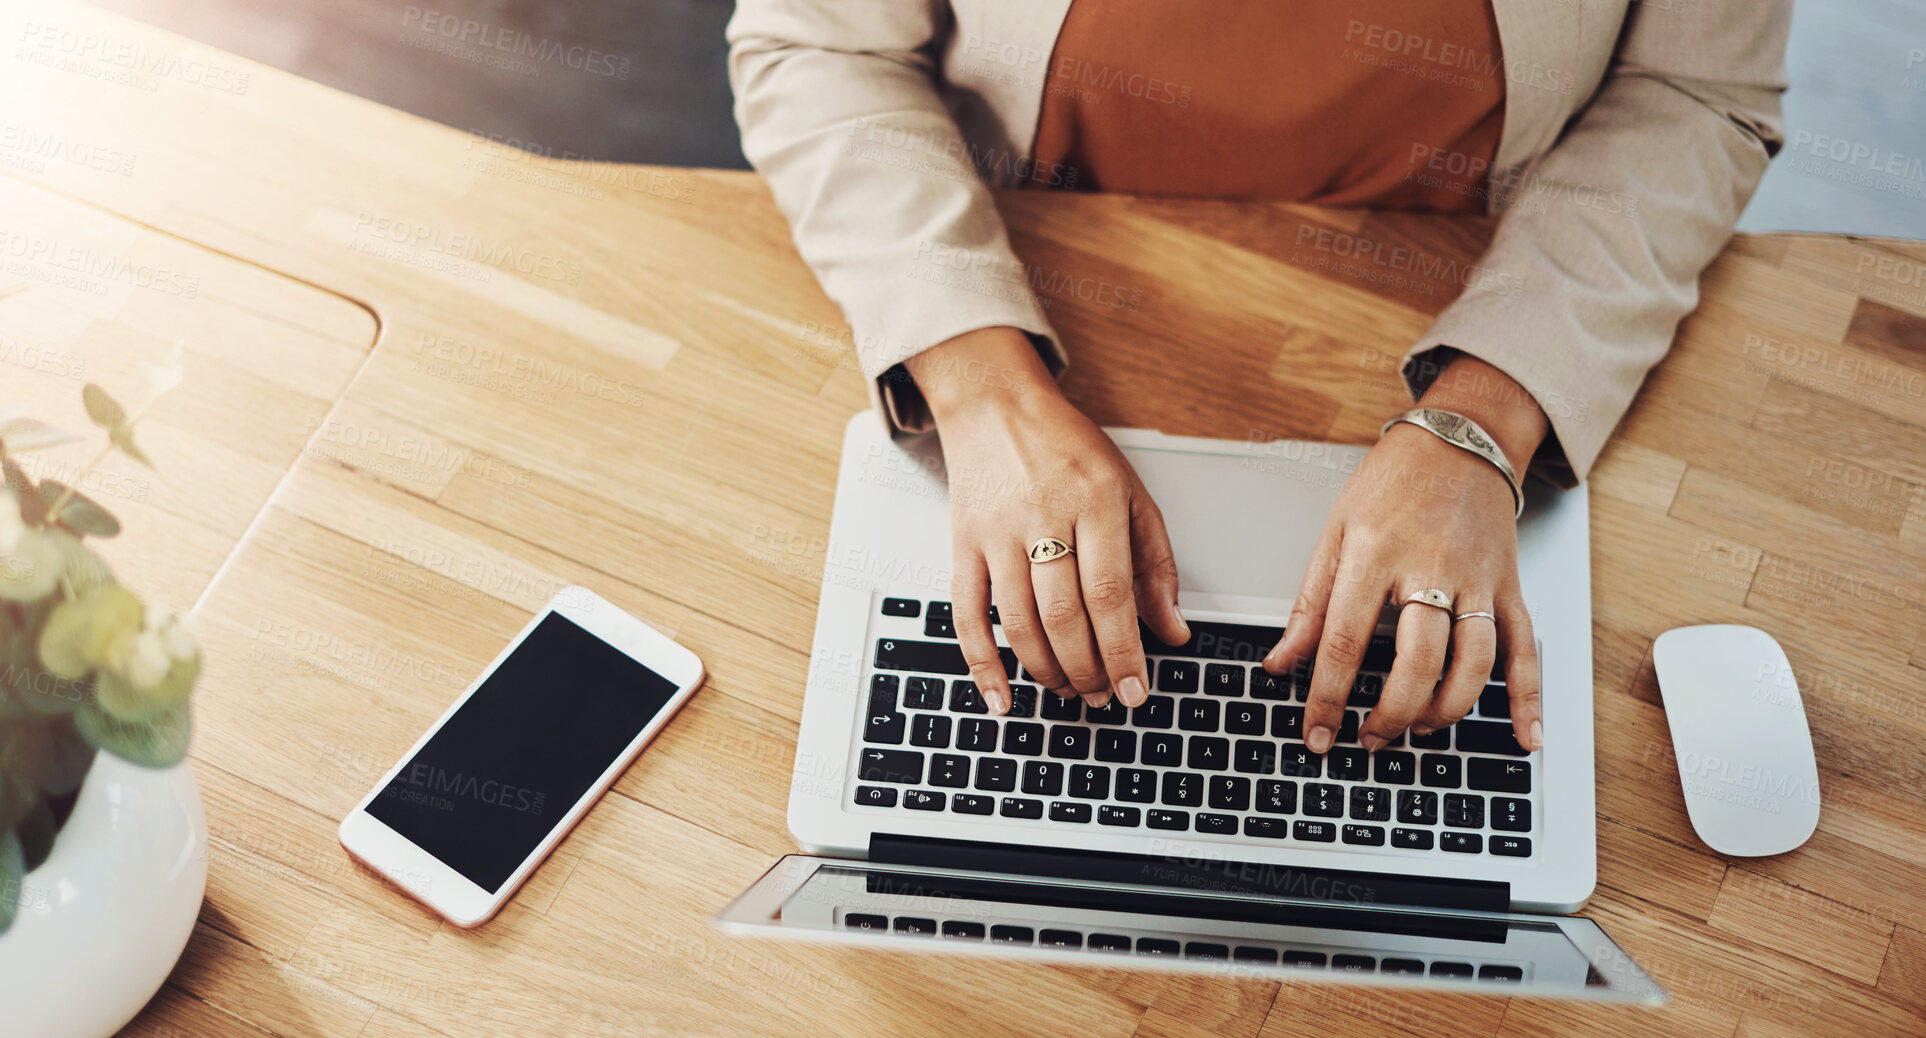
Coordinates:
[1024,464]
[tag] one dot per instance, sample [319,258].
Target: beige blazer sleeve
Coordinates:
[840,113]
[1605,236]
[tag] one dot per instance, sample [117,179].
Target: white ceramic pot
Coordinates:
[103,920]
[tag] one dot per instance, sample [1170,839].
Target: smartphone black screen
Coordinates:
[490,784]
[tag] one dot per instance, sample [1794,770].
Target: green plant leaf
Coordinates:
[123,437]
[36,834]
[154,744]
[85,572]
[127,701]
[102,408]
[32,434]
[69,758]
[80,631]
[30,572]
[33,509]
[81,514]
[13,877]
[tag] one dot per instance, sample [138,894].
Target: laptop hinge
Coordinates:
[1181,869]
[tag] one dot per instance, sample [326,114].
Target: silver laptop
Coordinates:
[1194,832]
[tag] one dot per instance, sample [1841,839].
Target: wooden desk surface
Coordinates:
[625,378]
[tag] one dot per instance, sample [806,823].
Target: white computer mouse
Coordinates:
[1739,733]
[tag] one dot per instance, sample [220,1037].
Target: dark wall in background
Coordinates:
[617,80]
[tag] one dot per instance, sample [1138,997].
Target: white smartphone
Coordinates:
[500,779]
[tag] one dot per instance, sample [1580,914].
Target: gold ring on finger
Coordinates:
[1430,596]
[1049,549]
[1478,612]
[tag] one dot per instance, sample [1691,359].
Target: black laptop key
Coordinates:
[949,769]
[1088,782]
[901,607]
[1183,788]
[1023,700]
[1265,685]
[882,693]
[1013,934]
[1251,953]
[1137,785]
[1266,828]
[1379,655]
[1206,950]
[1354,963]
[1156,712]
[1366,690]
[923,800]
[1276,797]
[902,766]
[972,804]
[1438,740]
[938,627]
[1495,701]
[1217,825]
[1297,761]
[1394,768]
[1502,974]
[875,796]
[865,921]
[1511,846]
[1224,679]
[1023,738]
[1163,749]
[1174,820]
[1488,737]
[1043,778]
[1370,804]
[1451,969]
[1287,722]
[1511,814]
[1244,718]
[962,930]
[1348,726]
[996,774]
[1323,800]
[1364,835]
[931,657]
[1117,745]
[1176,676]
[1305,959]
[1065,811]
[965,699]
[1349,763]
[1411,839]
[930,730]
[1464,810]
[1440,770]
[942,609]
[923,694]
[1229,793]
[1157,946]
[1254,756]
[1112,711]
[1461,843]
[1315,832]
[885,729]
[1062,708]
[1109,942]
[1402,967]
[1112,814]
[1068,742]
[976,733]
[1498,776]
[1198,715]
[1021,807]
[1417,807]
[1209,753]
[1060,938]
[915,927]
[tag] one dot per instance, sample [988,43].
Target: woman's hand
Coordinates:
[1420,513]
[1025,464]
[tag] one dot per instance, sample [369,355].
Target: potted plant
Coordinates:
[93,730]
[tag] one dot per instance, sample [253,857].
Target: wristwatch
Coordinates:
[1461,432]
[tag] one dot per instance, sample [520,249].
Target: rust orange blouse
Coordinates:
[1384,103]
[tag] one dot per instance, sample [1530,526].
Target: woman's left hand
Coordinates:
[1420,513]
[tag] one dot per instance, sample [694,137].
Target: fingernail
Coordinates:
[1096,700]
[1537,734]
[1373,742]
[1418,729]
[1131,690]
[1181,620]
[1319,739]
[998,699]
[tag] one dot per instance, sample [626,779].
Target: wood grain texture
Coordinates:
[624,377]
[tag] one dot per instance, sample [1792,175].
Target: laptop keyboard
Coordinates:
[1216,750]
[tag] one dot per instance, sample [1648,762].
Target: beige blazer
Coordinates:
[1632,139]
